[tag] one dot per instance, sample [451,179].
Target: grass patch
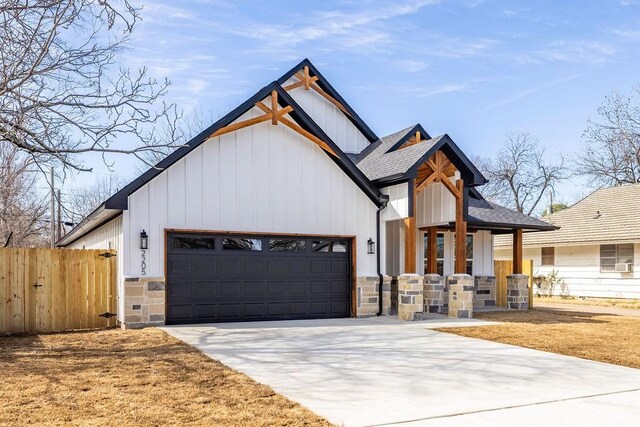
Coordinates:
[601,302]
[137,377]
[605,338]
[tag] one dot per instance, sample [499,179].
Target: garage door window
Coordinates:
[203,243]
[286,245]
[241,244]
[329,246]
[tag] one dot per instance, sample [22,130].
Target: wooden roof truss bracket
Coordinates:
[415,139]
[276,116]
[438,163]
[305,80]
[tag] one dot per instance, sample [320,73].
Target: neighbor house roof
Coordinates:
[606,215]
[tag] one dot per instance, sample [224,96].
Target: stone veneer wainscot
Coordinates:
[144,302]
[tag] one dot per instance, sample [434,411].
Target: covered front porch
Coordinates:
[438,242]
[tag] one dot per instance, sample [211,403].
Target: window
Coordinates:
[201,243]
[469,264]
[439,253]
[241,244]
[329,246]
[610,255]
[286,245]
[548,256]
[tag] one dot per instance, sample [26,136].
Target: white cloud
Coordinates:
[527,92]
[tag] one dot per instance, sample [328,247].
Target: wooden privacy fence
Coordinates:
[44,290]
[503,268]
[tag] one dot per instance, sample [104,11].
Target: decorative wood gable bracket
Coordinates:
[436,169]
[308,82]
[276,116]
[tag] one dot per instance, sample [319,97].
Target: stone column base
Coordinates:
[386,295]
[461,288]
[485,291]
[144,302]
[518,292]
[433,291]
[367,296]
[410,299]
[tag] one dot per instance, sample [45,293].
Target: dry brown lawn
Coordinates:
[605,338]
[143,377]
[600,302]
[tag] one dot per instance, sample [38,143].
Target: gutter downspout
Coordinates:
[380,278]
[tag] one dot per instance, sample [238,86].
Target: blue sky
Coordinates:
[473,69]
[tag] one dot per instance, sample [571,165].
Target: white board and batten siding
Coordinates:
[580,267]
[330,118]
[262,178]
[398,204]
[108,236]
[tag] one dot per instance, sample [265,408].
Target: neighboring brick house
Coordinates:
[597,248]
[290,207]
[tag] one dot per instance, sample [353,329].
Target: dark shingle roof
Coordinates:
[381,164]
[482,212]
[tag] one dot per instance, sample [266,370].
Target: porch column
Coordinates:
[461,231]
[517,251]
[432,250]
[411,231]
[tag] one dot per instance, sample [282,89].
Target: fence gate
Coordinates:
[503,268]
[44,290]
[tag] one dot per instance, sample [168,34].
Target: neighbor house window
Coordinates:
[610,255]
[469,264]
[549,256]
[439,253]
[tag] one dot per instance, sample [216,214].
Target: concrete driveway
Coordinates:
[380,371]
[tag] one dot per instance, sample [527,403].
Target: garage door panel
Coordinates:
[319,287]
[205,288]
[203,265]
[298,288]
[277,309]
[227,288]
[255,266]
[278,266]
[229,311]
[339,266]
[284,279]
[230,265]
[179,265]
[319,308]
[279,288]
[320,266]
[254,288]
[254,310]
[206,311]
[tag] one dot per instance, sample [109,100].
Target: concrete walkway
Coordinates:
[380,371]
[597,309]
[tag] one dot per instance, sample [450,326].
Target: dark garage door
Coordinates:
[231,278]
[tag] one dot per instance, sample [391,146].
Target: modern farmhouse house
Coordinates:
[291,207]
[597,248]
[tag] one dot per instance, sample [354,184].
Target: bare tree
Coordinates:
[63,91]
[81,201]
[519,176]
[22,210]
[177,133]
[611,155]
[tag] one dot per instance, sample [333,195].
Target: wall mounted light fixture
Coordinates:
[371,246]
[144,245]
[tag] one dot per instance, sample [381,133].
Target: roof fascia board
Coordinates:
[327,87]
[408,135]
